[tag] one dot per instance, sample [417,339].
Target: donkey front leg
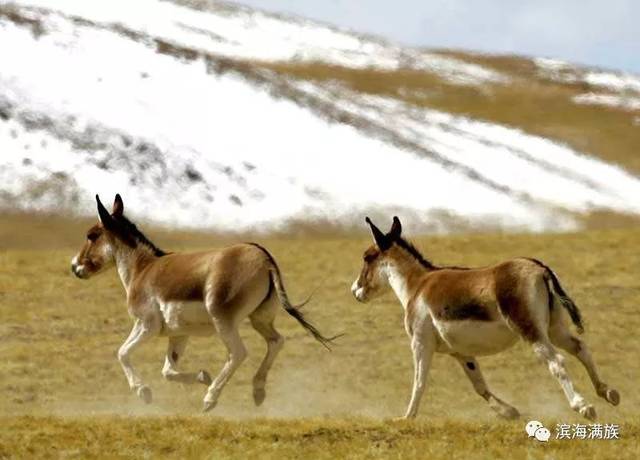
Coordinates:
[236,355]
[472,369]
[175,350]
[141,332]
[423,344]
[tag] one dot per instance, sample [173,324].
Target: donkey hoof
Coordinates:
[613,397]
[208,405]
[588,412]
[204,377]
[508,412]
[258,395]
[144,393]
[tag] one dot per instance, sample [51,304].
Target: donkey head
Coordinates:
[373,274]
[97,252]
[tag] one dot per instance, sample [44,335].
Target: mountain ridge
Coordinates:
[257,192]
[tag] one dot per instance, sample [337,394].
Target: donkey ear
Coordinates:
[380,238]
[396,229]
[118,206]
[105,217]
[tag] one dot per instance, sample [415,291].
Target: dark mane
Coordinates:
[132,230]
[411,249]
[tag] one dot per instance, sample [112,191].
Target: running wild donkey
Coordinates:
[182,295]
[472,312]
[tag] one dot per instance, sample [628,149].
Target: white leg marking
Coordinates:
[422,347]
[140,333]
[555,362]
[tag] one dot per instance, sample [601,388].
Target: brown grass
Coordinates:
[320,438]
[64,394]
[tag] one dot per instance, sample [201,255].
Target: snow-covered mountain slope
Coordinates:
[242,33]
[610,89]
[171,106]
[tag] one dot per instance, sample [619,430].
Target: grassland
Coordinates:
[64,395]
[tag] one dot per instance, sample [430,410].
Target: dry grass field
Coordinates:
[64,394]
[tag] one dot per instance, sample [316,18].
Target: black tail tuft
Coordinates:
[297,314]
[293,310]
[566,301]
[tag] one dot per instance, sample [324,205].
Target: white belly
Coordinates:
[186,318]
[475,338]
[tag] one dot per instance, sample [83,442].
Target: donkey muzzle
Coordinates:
[358,292]
[78,270]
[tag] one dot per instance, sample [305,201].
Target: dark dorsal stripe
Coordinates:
[411,249]
[131,229]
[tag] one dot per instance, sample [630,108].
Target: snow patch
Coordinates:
[611,100]
[612,81]
[525,165]
[253,35]
[93,110]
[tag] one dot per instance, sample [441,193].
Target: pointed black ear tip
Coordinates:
[395,219]
[97,198]
[102,212]
[117,202]
[367,220]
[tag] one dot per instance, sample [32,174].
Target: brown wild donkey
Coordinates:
[196,294]
[472,312]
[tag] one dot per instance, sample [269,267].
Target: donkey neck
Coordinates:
[404,274]
[130,262]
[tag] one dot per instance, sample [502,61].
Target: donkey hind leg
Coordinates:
[262,321]
[547,353]
[423,345]
[236,354]
[561,336]
[472,369]
[175,350]
[141,332]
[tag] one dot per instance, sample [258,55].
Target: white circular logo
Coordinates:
[531,427]
[535,429]
[542,434]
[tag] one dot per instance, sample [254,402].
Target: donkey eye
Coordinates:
[370,257]
[93,236]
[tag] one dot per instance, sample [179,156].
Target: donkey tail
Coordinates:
[553,284]
[293,310]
